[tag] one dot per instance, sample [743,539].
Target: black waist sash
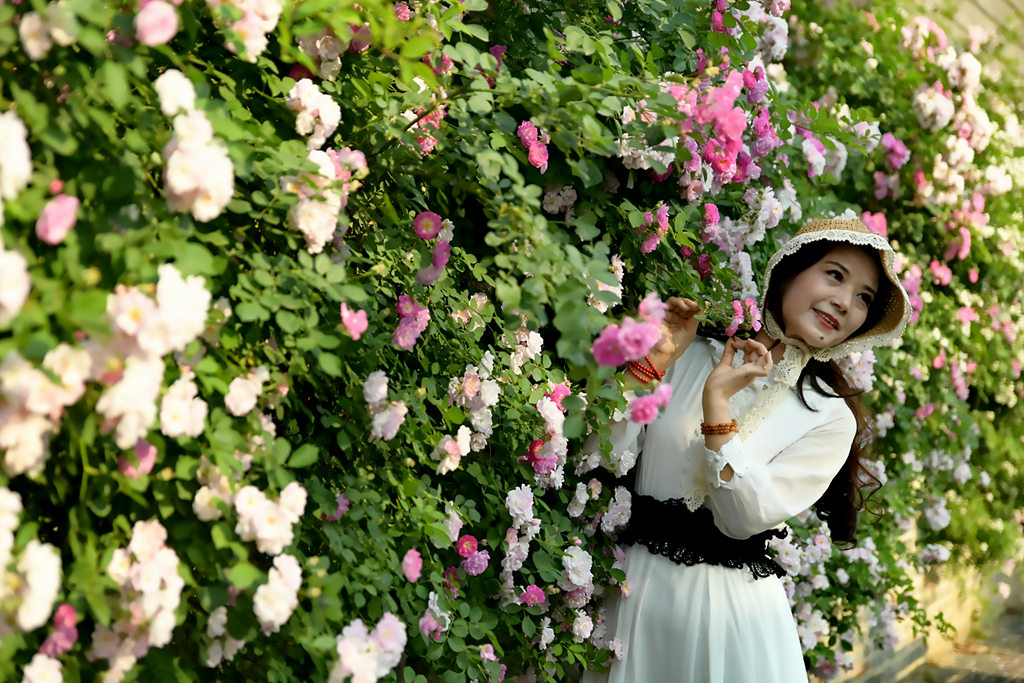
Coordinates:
[689,537]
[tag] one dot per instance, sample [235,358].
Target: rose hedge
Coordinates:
[297,305]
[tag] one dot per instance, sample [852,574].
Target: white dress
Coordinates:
[712,624]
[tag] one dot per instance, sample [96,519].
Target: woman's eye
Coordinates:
[866,298]
[838,275]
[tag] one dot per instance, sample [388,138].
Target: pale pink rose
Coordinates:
[156,23]
[412,565]
[145,453]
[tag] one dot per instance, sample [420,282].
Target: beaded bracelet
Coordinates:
[632,367]
[644,373]
[720,428]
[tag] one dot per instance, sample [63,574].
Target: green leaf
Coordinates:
[330,364]
[115,83]
[304,456]
[243,575]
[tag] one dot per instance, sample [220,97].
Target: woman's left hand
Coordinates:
[725,380]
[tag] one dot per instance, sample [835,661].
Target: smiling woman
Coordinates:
[711,489]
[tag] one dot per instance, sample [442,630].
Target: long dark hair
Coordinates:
[850,489]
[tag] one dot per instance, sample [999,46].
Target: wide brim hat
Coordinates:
[897,310]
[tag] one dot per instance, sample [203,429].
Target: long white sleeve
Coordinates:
[768,488]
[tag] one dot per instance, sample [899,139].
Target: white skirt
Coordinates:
[701,624]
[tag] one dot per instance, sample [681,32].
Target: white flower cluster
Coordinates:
[31,404]
[364,656]
[634,150]
[932,554]
[14,280]
[519,503]
[618,270]
[450,450]
[558,199]
[198,177]
[933,107]
[275,600]
[43,669]
[257,19]
[269,523]
[811,626]
[619,510]
[859,369]
[773,41]
[529,344]
[220,650]
[146,330]
[29,581]
[38,32]
[182,412]
[319,211]
[143,614]
[326,49]
[243,392]
[15,170]
[476,393]
[318,113]
[577,578]
[387,417]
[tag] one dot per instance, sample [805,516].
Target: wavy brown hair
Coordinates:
[850,490]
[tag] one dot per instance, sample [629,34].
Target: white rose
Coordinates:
[176,92]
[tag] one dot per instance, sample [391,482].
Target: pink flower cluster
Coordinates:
[65,632]
[632,340]
[157,22]
[421,123]
[875,222]
[354,321]
[896,153]
[742,311]
[474,560]
[644,409]
[535,141]
[654,227]
[57,218]
[413,320]
[143,615]
[427,226]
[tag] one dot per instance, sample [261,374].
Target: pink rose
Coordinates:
[156,23]
[466,545]
[354,321]
[145,453]
[57,219]
[606,348]
[426,225]
[636,338]
[533,595]
[412,565]
[644,409]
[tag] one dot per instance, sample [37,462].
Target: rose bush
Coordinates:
[307,310]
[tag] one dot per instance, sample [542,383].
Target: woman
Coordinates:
[740,448]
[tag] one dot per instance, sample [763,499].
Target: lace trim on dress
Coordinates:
[689,537]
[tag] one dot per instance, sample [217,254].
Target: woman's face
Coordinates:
[826,303]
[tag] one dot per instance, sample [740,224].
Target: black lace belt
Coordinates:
[689,537]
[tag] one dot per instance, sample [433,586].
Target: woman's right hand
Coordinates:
[678,329]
